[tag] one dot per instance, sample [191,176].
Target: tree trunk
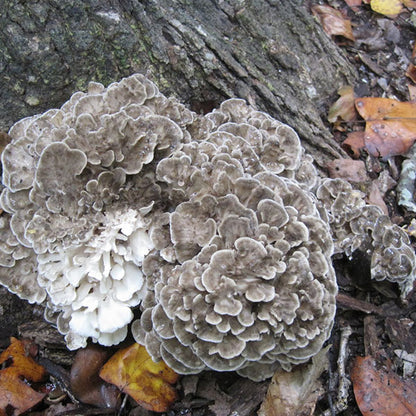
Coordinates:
[270,52]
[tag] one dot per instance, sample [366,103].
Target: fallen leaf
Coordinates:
[16,393]
[376,198]
[295,393]
[333,22]
[350,170]
[411,70]
[411,4]
[354,143]
[134,372]
[86,384]
[344,108]
[390,125]
[412,92]
[353,3]
[381,392]
[390,8]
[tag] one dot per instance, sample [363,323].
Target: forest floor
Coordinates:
[371,321]
[382,49]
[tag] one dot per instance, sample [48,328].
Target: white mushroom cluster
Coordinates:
[215,228]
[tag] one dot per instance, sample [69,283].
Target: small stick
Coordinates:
[344,383]
[347,302]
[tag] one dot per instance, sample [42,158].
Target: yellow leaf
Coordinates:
[134,372]
[387,7]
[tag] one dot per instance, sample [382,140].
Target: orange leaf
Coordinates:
[411,72]
[354,143]
[333,21]
[379,392]
[150,384]
[15,390]
[391,125]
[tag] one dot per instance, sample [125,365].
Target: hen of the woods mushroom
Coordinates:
[216,227]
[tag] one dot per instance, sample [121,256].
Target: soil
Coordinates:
[381,323]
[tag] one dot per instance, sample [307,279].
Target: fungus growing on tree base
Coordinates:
[216,228]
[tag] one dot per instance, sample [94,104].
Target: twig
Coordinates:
[344,383]
[348,302]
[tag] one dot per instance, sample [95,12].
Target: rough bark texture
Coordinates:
[270,52]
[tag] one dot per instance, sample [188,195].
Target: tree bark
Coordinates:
[270,52]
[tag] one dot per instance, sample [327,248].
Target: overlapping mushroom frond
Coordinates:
[217,226]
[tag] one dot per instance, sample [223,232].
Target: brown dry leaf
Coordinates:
[15,390]
[343,108]
[295,393]
[412,92]
[333,21]
[375,197]
[381,392]
[350,170]
[354,143]
[390,8]
[86,384]
[391,125]
[133,372]
[353,3]
[411,4]
[411,70]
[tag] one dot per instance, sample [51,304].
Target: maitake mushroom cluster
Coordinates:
[216,227]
